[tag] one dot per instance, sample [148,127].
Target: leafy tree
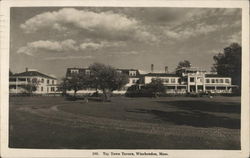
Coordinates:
[155,87]
[31,86]
[228,63]
[76,82]
[106,78]
[184,63]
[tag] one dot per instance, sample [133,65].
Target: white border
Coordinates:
[4,58]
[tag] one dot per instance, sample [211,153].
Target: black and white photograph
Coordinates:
[128,78]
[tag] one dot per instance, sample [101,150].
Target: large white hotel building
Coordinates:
[184,80]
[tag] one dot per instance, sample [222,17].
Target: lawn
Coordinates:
[125,123]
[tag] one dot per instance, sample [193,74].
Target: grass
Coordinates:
[125,123]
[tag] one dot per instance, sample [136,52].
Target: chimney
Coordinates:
[26,69]
[166,69]
[152,68]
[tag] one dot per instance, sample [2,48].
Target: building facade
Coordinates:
[184,80]
[45,84]
[192,80]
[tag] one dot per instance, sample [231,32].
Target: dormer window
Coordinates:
[132,73]
[74,71]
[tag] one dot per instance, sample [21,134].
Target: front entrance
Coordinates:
[192,88]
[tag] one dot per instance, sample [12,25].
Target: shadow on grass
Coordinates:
[222,107]
[192,118]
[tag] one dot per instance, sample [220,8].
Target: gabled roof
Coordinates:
[161,75]
[32,73]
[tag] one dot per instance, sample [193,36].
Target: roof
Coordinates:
[32,73]
[191,69]
[162,75]
[215,75]
[82,71]
[126,71]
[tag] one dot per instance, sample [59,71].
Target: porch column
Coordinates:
[196,87]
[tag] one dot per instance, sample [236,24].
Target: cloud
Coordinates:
[235,38]
[103,24]
[69,57]
[193,30]
[128,53]
[79,18]
[99,45]
[202,21]
[48,46]
[124,53]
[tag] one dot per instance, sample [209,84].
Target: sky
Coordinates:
[53,39]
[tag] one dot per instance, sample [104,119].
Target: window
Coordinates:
[52,89]
[216,80]
[12,79]
[191,79]
[227,81]
[42,80]
[47,81]
[74,71]
[173,80]
[213,81]
[207,80]
[167,80]
[132,73]
[41,88]
[221,80]
[12,87]
[21,79]
[52,81]
[179,80]
[119,71]
[28,79]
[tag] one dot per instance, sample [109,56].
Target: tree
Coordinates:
[76,82]
[228,63]
[31,86]
[184,63]
[155,87]
[106,78]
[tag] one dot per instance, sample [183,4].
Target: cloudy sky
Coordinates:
[53,39]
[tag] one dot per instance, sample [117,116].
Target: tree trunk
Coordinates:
[106,97]
[75,93]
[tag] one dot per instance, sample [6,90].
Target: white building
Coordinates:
[45,84]
[184,80]
[192,80]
